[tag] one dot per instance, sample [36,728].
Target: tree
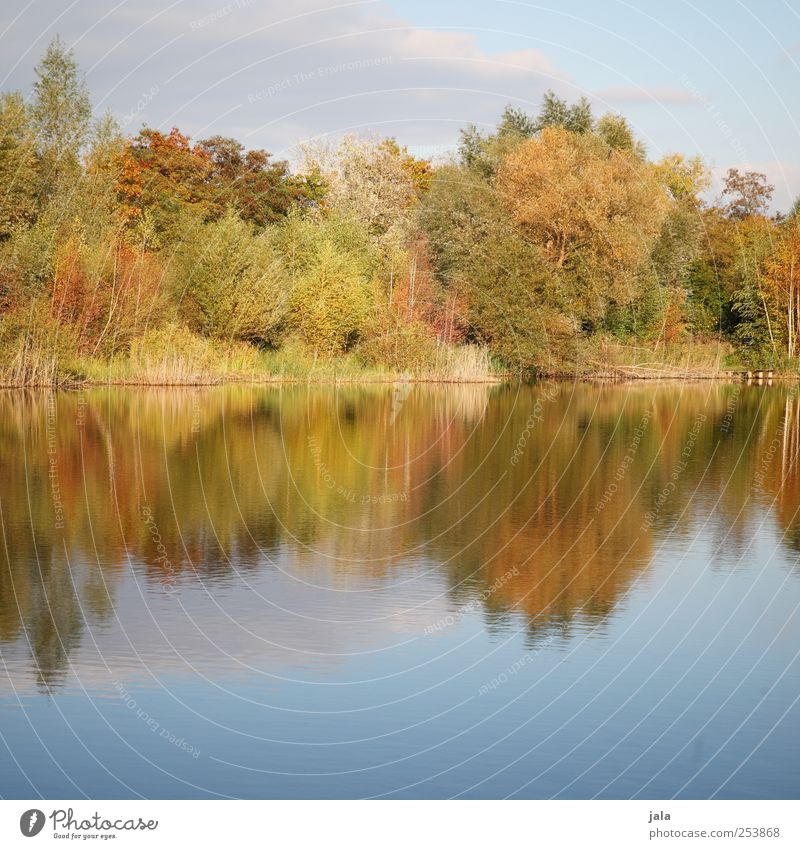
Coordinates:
[516,123]
[594,215]
[331,301]
[230,282]
[556,112]
[474,151]
[374,180]
[664,311]
[782,281]
[686,178]
[755,328]
[617,133]
[105,291]
[331,263]
[61,112]
[483,152]
[163,182]
[507,294]
[750,194]
[261,190]
[18,165]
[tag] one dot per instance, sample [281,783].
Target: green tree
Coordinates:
[556,112]
[332,266]
[618,134]
[230,281]
[510,295]
[61,113]
[18,164]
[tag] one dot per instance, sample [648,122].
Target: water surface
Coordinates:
[548,591]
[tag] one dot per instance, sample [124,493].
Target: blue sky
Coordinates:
[720,79]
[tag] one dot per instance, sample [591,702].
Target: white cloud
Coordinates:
[639,94]
[285,73]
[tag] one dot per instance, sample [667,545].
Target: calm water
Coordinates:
[556,591]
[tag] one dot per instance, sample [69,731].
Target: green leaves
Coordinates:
[61,112]
[231,282]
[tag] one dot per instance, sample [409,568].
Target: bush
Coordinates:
[402,346]
[333,269]
[174,355]
[231,282]
[34,349]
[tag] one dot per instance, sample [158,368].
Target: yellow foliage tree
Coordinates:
[595,212]
[781,278]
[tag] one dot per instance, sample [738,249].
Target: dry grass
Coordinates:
[608,359]
[463,364]
[173,356]
[30,365]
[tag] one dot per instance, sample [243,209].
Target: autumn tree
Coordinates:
[781,276]
[507,295]
[374,180]
[260,189]
[331,264]
[163,182]
[595,214]
[230,281]
[749,194]
[105,291]
[678,246]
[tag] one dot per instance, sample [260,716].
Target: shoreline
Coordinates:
[610,376]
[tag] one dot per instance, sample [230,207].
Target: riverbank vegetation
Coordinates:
[551,244]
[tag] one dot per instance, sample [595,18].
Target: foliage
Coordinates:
[618,134]
[163,181]
[594,214]
[556,112]
[749,193]
[333,289]
[230,281]
[510,301]
[61,114]
[482,153]
[18,164]
[373,180]
[551,239]
[260,190]
[106,291]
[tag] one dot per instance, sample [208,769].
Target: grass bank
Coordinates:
[173,356]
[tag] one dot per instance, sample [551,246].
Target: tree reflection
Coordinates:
[542,503]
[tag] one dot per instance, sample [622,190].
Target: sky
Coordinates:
[718,78]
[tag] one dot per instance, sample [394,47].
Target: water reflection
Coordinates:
[538,505]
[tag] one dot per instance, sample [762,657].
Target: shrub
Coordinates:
[231,282]
[34,349]
[174,355]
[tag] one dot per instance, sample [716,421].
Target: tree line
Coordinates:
[538,244]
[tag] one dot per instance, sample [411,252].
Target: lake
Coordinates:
[557,590]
